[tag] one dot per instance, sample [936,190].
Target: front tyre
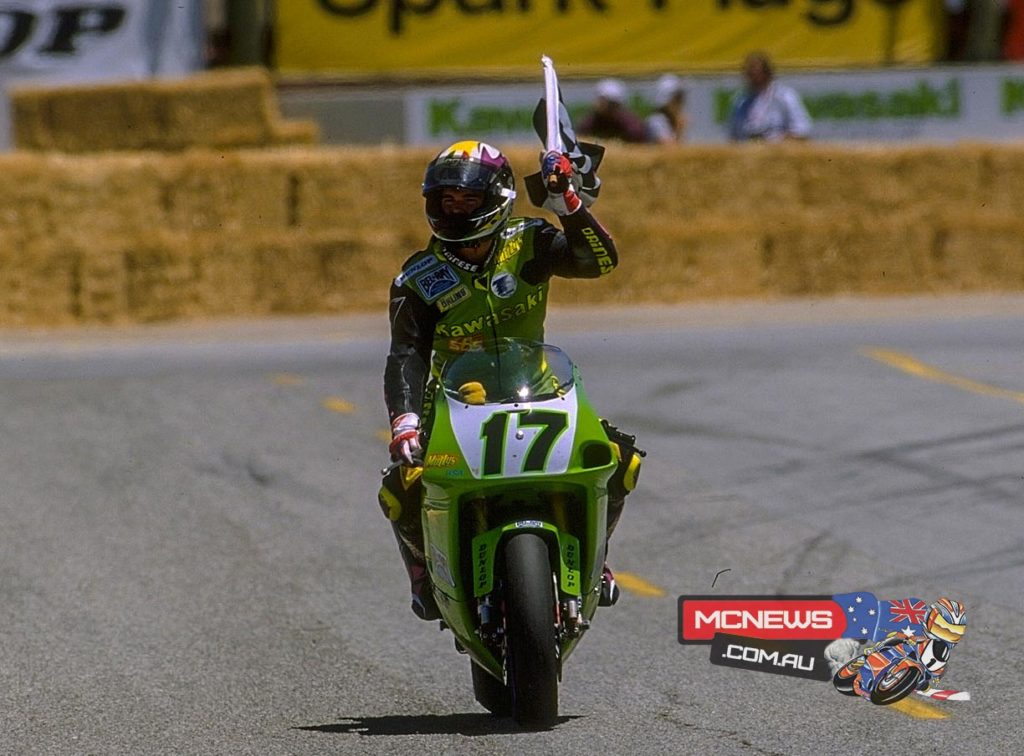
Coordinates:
[531,648]
[897,683]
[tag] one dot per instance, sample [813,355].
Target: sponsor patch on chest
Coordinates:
[504,285]
[415,269]
[452,298]
[436,282]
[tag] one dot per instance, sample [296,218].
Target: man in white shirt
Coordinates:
[767,110]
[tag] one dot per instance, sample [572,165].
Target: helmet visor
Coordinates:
[460,173]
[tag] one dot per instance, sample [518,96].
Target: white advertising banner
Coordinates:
[57,42]
[925,105]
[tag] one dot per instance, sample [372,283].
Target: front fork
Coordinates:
[569,620]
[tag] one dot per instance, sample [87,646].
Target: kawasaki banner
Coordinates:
[462,37]
[934,105]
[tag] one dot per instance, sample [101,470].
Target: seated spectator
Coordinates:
[611,118]
[667,124]
[766,109]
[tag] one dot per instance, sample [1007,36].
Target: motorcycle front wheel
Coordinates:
[531,649]
[897,684]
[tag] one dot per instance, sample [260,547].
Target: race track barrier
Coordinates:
[145,236]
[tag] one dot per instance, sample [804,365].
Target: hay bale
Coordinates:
[38,282]
[81,119]
[1003,178]
[862,256]
[360,188]
[982,253]
[226,191]
[230,108]
[105,196]
[295,132]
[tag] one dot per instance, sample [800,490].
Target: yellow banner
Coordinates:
[468,37]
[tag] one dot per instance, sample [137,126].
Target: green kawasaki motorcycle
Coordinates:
[514,519]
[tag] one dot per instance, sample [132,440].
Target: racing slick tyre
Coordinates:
[897,683]
[532,652]
[490,693]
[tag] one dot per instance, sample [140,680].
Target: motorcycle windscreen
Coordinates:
[506,371]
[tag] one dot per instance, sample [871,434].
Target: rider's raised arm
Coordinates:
[408,363]
[583,249]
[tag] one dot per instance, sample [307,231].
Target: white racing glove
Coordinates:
[556,172]
[405,439]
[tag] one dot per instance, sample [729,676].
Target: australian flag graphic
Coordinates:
[871,619]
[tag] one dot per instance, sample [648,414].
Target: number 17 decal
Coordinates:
[494,433]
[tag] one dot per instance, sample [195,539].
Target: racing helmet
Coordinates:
[946,620]
[474,166]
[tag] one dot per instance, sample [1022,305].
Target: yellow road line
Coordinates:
[288,379]
[908,364]
[636,584]
[918,709]
[337,404]
[384,435]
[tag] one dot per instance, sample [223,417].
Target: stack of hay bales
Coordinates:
[179,200]
[803,219]
[230,109]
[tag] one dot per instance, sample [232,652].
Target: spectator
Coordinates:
[766,109]
[956,23]
[985,29]
[667,124]
[980,30]
[611,118]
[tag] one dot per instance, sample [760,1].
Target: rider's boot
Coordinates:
[622,482]
[399,499]
[423,604]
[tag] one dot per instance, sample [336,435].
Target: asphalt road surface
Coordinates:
[192,559]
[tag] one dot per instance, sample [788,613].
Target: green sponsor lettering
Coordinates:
[443,116]
[490,119]
[921,101]
[723,104]
[1013,96]
[447,116]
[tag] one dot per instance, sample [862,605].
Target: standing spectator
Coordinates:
[766,109]
[611,118]
[985,29]
[956,23]
[667,124]
[979,30]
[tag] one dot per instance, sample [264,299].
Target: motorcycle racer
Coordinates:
[483,274]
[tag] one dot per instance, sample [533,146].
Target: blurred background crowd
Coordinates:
[387,71]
